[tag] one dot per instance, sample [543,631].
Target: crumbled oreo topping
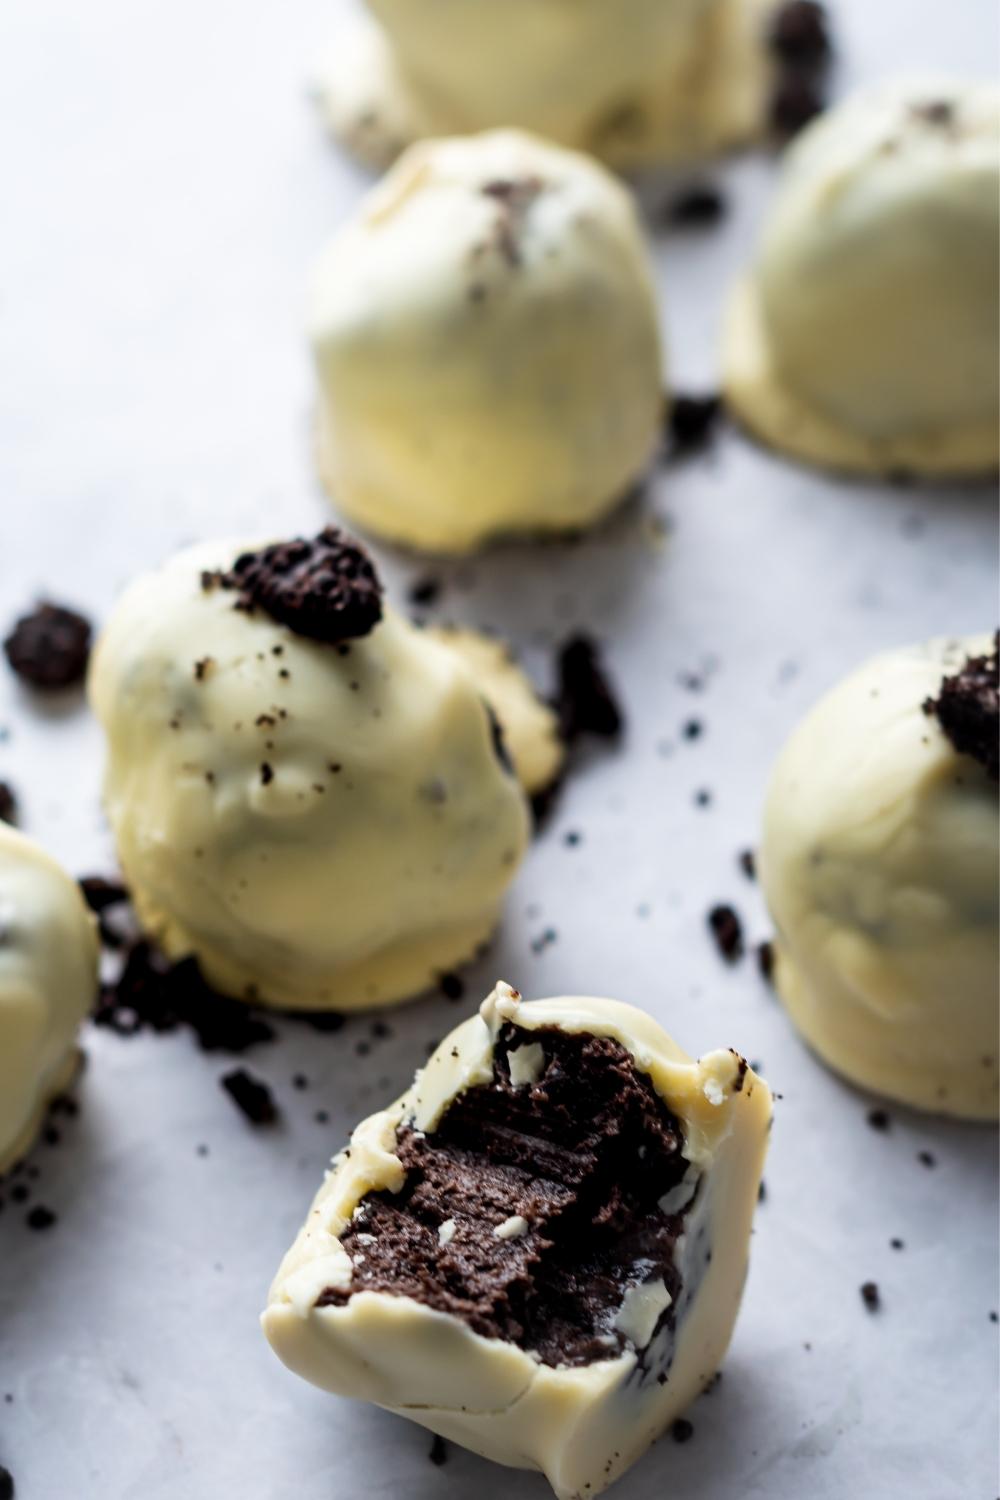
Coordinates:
[325,589]
[799,33]
[870,1296]
[50,647]
[968,709]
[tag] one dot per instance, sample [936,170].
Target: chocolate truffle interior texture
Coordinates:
[583,1155]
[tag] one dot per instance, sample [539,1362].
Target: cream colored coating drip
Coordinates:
[48,983]
[879,863]
[322,828]
[865,336]
[486,339]
[581,1425]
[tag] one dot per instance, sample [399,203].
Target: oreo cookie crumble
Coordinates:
[49,648]
[325,589]
[968,709]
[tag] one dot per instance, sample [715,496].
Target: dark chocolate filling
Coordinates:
[968,709]
[584,1155]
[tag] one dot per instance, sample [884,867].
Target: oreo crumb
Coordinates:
[425,592]
[439,1451]
[585,700]
[765,960]
[452,986]
[40,1218]
[320,1020]
[152,993]
[693,729]
[896,1244]
[800,35]
[8,804]
[703,797]
[682,1431]
[762,1192]
[691,423]
[698,206]
[968,709]
[727,931]
[879,1119]
[926,1159]
[251,1096]
[870,1296]
[325,589]
[796,100]
[6,1477]
[49,648]
[103,895]
[748,864]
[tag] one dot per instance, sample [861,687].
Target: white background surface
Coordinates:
[165,187]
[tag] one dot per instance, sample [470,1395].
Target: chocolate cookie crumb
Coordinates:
[799,33]
[796,100]
[968,709]
[870,1296]
[452,986]
[251,1096]
[6,1479]
[49,648]
[748,864]
[150,992]
[439,1451]
[8,804]
[765,960]
[326,589]
[727,930]
[697,206]
[682,1431]
[691,423]
[425,592]
[40,1217]
[926,1159]
[585,700]
[897,1244]
[879,1119]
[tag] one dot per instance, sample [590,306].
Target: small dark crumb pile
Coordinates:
[6,1484]
[50,648]
[8,803]
[151,993]
[584,1155]
[682,1431]
[727,929]
[968,709]
[799,39]
[439,1451]
[586,703]
[326,589]
[250,1096]
[697,206]
[691,423]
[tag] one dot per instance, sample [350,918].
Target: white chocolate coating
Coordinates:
[377,852]
[636,83]
[486,365]
[879,865]
[48,982]
[581,1425]
[865,337]
[530,727]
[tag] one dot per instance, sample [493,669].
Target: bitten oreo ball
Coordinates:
[879,863]
[486,341]
[306,791]
[865,337]
[539,1250]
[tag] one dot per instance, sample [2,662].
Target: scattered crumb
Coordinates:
[727,931]
[870,1296]
[251,1096]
